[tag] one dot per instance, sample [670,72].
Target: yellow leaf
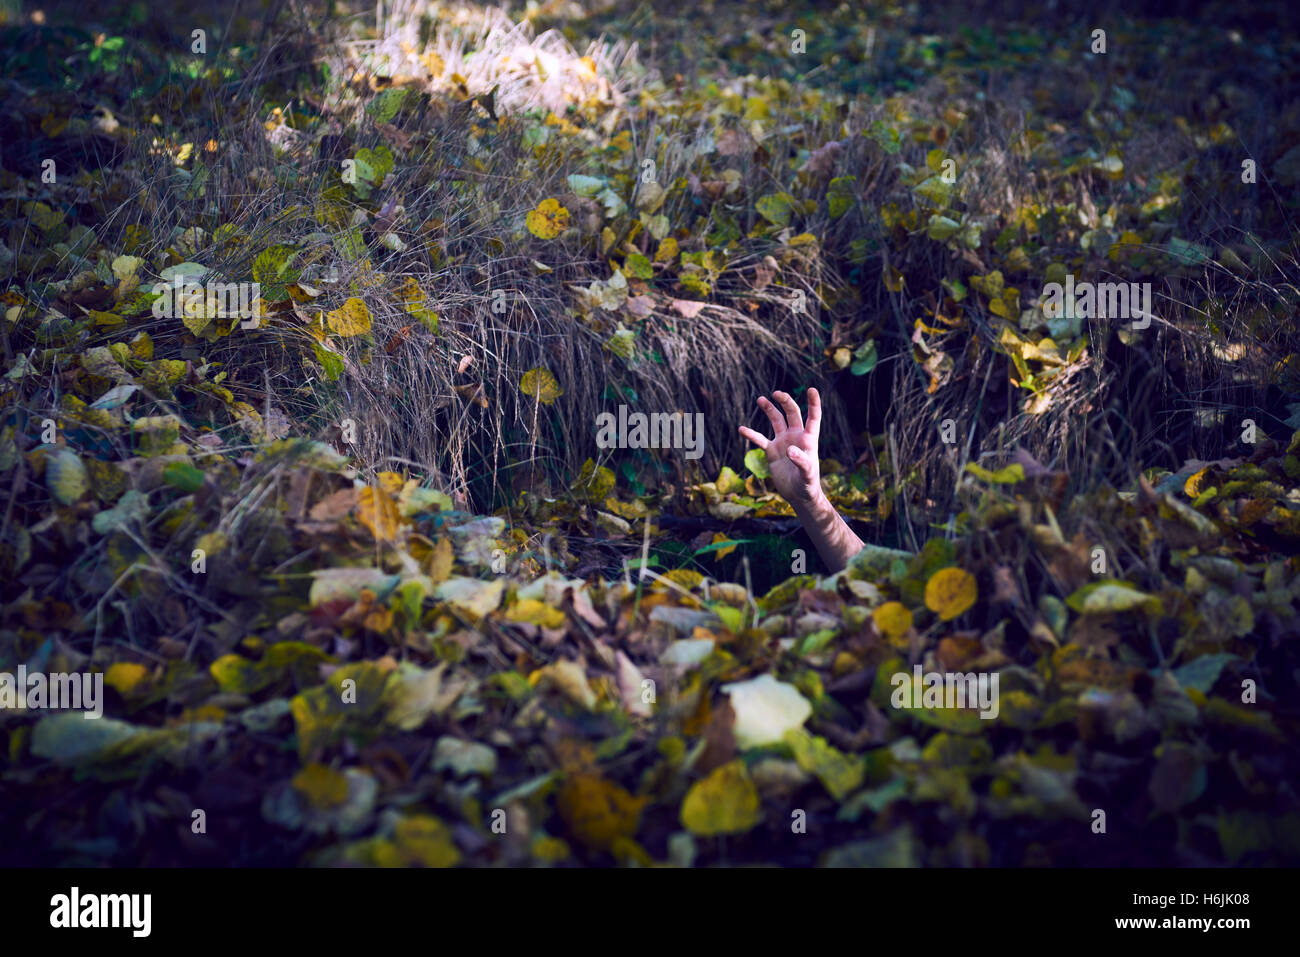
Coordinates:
[722,552]
[126,266]
[378,512]
[893,279]
[725,802]
[687,578]
[950,592]
[1128,241]
[440,561]
[667,250]
[1197,483]
[598,811]
[125,676]
[390,482]
[594,482]
[893,618]
[728,482]
[570,679]
[320,786]
[541,385]
[840,774]
[425,841]
[411,293]
[535,612]
[350,319]
[65,476]
[548,220]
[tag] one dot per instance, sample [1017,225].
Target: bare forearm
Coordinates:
[835,541]
[792,463]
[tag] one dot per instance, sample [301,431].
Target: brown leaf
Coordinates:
[334,507]
[765,272]
[821,161]
[299,488]
[734,142]
[399,337]
[956,653]
[473,393]
[720,738]
[1071,565]
[1033,468]
[1092,636]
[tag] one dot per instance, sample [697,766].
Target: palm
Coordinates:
[792,451]
[790,480]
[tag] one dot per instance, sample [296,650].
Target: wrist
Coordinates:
[816,506]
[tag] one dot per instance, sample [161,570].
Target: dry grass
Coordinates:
[416,402]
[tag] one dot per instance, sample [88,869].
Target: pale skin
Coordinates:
[796,473]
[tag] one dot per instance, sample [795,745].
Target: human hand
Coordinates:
[792,450]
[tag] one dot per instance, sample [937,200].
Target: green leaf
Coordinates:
[331,362]
[638,266]
[718,546]
[132,507]
[184,475]
[886,137]
[1201,673]
[839,195]
[273,270]
[1009,475]
[1186,253]
[874,800]
[69,739]
[941,227]
[386,105]
[934,191]
[756,462]
[585,186]
[840,775]
[374,165]
[775,208]
[864,358]
[1109,596]
[184,271]
[622,343]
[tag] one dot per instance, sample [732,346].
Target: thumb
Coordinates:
[801,459]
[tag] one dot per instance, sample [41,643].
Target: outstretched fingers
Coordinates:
[773,416]
[791,407]
[761,441]
[814,413]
